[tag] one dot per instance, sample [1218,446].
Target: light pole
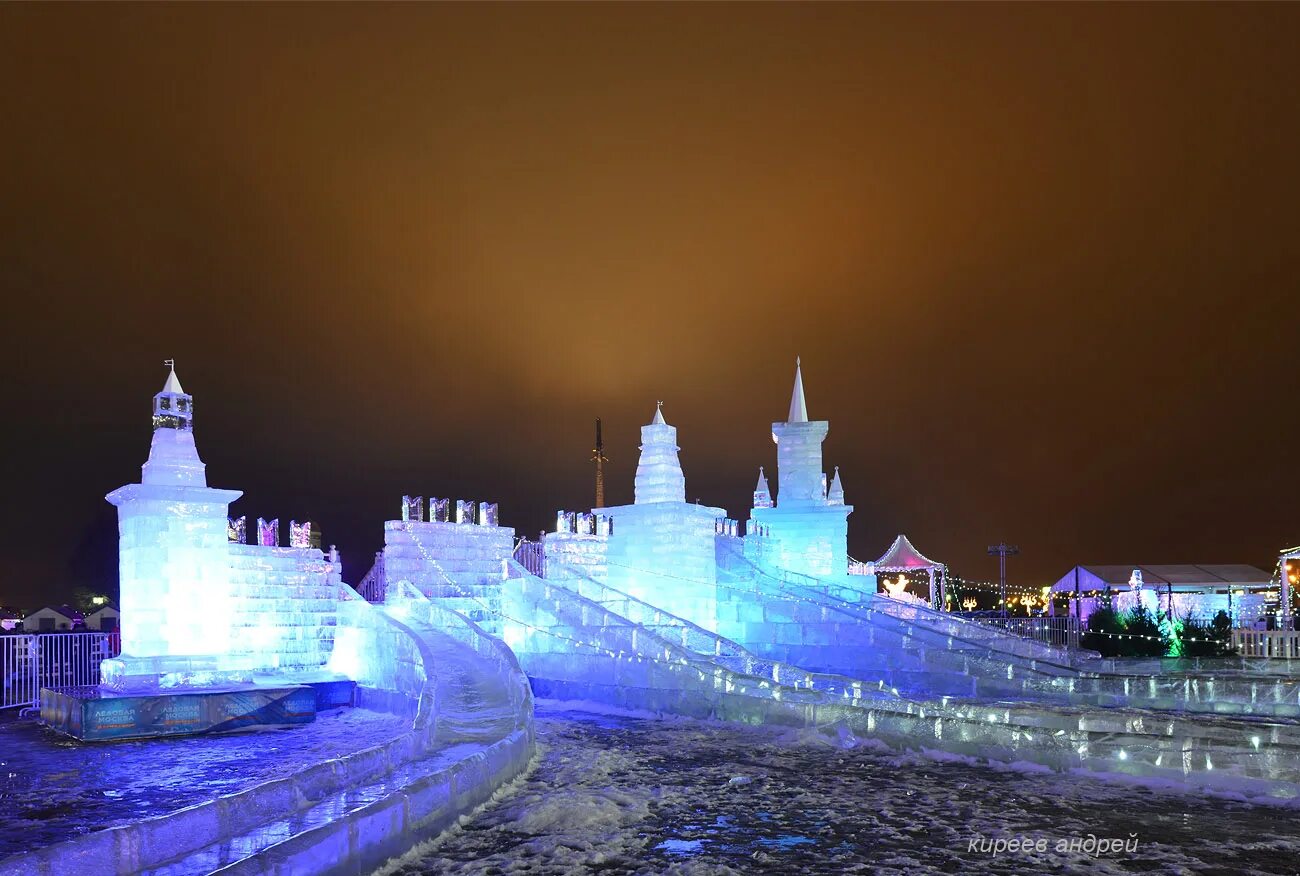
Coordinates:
[1003,550]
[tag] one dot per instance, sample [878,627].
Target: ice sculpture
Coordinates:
[268,532]
[413,508]
[199,605]
[762,493]
[300,534]
[808,523]
[660,547]
[175,579]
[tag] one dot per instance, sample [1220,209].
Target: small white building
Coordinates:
[106,618]
[51,619]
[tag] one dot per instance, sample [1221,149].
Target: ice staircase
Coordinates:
[578,640]
[830,626]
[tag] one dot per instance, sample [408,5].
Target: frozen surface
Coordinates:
[54,788]
[617,794]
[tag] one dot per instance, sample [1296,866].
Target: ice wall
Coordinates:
[284,607]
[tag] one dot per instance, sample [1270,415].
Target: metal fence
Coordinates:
[33,661]
[1061,631]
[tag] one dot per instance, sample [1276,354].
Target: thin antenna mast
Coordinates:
[598,457]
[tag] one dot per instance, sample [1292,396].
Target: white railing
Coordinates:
[1060,632]
[1284,644]
[33,661]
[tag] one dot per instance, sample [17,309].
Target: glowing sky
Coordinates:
[1039,261]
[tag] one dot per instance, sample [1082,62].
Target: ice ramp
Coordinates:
[471,730]
[575,648]
[804,623]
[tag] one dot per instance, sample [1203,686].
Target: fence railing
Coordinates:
[33,661]
[1061,632]
[1283,644]
[532,556]
[373,587]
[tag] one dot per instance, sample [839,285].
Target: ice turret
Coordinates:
[173,458]
[762,494]
[174,560]
[659,475]
[799,479]
[808,520]
[836,494]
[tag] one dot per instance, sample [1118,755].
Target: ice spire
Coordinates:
[836,494]
[762,494]
[173,458]
[173,384]
[798,409]
[659,475]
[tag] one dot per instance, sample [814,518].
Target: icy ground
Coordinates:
[615,794]
[53,788]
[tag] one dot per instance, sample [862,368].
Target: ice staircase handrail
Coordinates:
[672,652]
[854,691]
[855,614]
[958,629]
[1220,751]
[826,681]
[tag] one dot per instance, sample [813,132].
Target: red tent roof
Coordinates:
[902,556]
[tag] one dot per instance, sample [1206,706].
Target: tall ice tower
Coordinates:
[174,556]
[809,525]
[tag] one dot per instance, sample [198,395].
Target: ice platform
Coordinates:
[93,714]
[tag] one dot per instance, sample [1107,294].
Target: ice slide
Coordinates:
[576,648]
[853,633]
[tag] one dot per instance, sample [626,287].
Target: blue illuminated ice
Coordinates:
[199,607]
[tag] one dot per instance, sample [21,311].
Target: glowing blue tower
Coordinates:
[174,557]
[809,524]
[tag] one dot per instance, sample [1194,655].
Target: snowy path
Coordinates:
[614,795]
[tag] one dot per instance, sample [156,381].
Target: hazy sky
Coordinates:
[1040,262]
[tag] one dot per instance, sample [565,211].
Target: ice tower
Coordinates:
[808,524]
[662,547]
[174,561]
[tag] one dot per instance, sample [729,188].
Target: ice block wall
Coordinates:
[587,554]
[284,607]
[663,553]
[439,557]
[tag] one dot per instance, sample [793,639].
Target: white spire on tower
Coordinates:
[798,409]
[173,384]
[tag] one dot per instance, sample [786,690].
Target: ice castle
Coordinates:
[662,605]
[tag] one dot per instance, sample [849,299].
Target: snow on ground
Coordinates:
[620,793]
[53,787]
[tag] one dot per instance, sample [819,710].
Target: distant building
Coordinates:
[52,619]
[1192,590]
[105,618]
